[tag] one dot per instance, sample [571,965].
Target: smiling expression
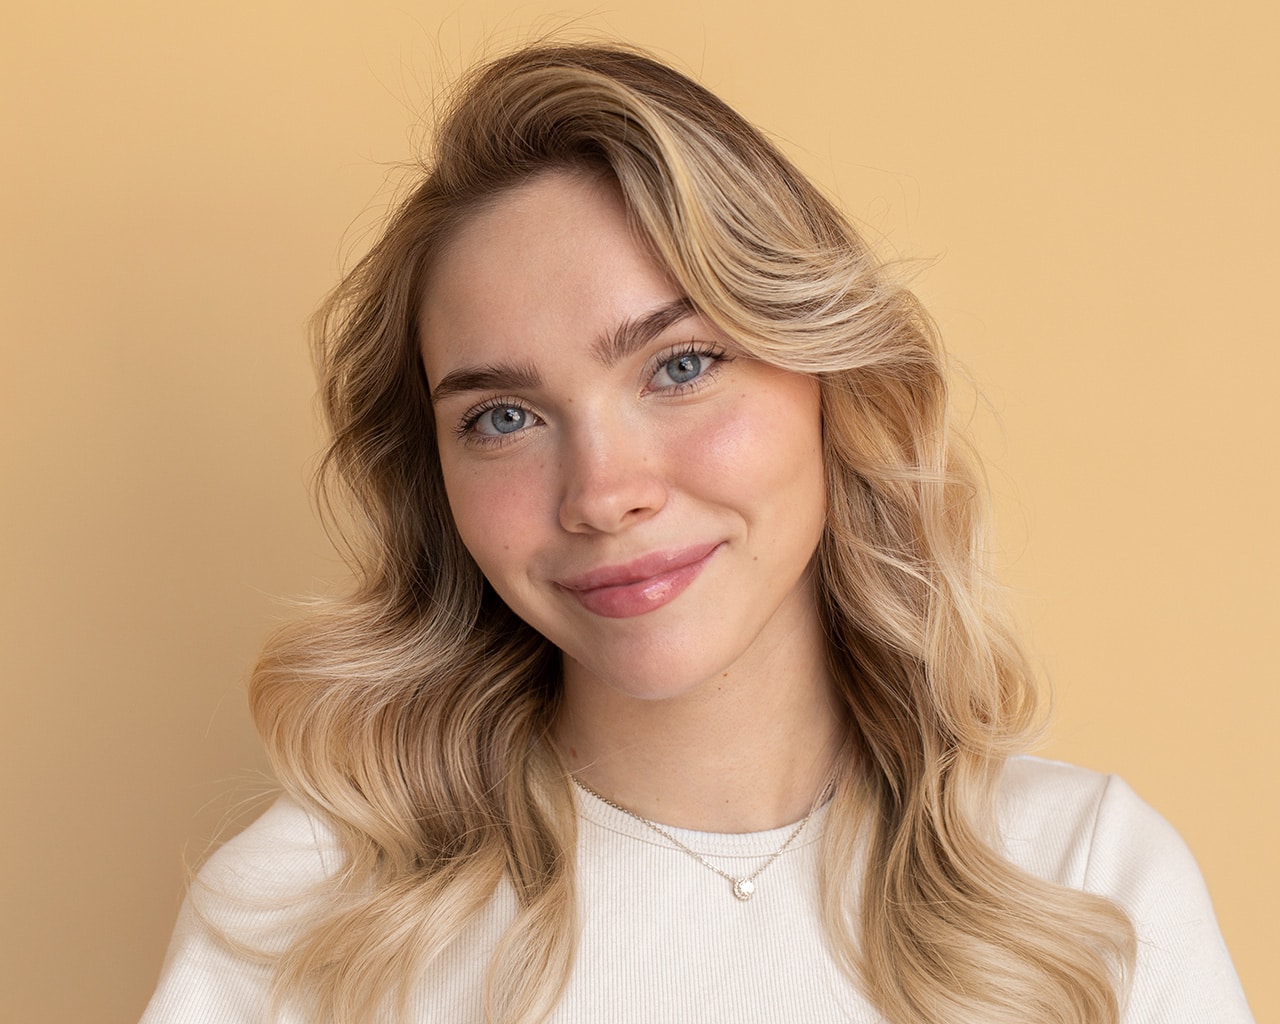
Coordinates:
[633,485]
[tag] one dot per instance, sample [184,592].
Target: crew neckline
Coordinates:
[594,810]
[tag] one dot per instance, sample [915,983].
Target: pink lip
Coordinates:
[639,586]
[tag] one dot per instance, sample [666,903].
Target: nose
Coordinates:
[610,482]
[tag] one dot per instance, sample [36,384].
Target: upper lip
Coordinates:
[647,566]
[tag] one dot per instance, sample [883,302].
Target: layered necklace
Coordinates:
[744,887]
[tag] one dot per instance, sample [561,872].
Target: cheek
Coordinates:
[765,450]
[493,512]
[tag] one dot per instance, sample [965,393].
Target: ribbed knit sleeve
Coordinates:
[248,902]
[1183,973]
[1090,831]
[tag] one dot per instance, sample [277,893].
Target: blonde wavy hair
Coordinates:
[413,715]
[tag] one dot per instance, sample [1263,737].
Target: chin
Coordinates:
[647,675]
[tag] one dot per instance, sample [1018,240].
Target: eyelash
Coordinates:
[466,431]
[703,350]
[466,426]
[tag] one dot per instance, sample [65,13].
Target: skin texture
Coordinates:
[649,501]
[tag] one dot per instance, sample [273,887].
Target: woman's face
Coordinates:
[632,485]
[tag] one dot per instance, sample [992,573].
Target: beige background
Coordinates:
[182,180]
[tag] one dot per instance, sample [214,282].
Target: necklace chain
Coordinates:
[744,887]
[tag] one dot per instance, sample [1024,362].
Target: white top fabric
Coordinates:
[663,938]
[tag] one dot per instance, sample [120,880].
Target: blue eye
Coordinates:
[692,366]
[505,419]
[684,368]
[495,421]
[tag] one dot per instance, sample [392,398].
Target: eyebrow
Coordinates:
[635,334]
[490,377]
[631,336]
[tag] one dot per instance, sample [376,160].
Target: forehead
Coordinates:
[552,261]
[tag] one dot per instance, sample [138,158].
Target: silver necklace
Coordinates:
[743,888]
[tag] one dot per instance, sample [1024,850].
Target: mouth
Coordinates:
[639,586]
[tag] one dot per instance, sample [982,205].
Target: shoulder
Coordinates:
[283,851]
[250,900]
[1084,829]
[1047,812]
[1090,831]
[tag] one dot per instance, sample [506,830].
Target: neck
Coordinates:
[746,751]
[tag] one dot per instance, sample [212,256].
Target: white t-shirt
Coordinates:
[663,938]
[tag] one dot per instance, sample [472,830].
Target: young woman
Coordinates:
[673,685]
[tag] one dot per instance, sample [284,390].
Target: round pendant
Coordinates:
[744,888]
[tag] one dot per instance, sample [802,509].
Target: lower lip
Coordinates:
[630,599]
